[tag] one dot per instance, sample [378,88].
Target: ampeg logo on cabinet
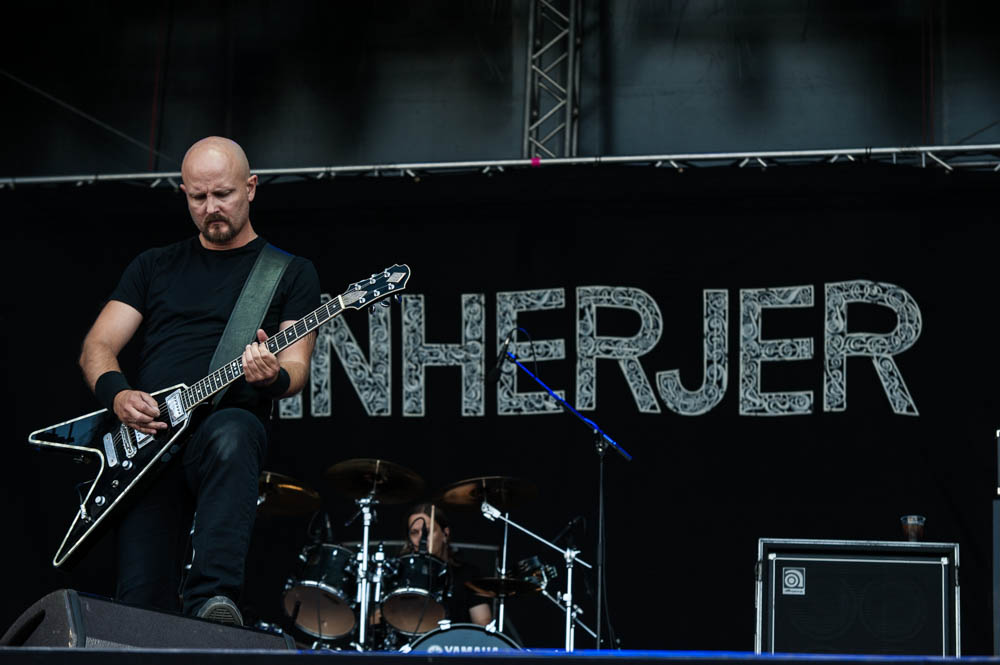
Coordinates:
[793,581]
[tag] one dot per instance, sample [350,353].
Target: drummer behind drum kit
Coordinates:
[404,597]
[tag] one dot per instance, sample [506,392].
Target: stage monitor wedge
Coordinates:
[65,618]
[857,597]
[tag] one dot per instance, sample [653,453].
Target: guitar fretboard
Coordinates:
[222,377]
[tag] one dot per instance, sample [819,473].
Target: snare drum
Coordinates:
[415,586]
[462,638]
[320,600]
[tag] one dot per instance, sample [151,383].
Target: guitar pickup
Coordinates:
[109,450]
[175,408]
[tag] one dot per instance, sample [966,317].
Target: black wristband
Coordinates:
[108,385]
[280,385]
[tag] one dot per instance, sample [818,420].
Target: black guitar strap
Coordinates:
[250,309]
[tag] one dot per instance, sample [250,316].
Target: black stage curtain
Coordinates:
[909,251]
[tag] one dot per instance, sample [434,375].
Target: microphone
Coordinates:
[423,540]
[494,373]
[329,529]
[566,529]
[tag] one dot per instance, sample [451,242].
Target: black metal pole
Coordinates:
[601,447]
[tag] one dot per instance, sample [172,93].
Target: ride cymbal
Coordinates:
[501,492]
[386,481]
[280,495]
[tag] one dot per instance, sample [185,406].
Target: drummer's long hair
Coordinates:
[441,521]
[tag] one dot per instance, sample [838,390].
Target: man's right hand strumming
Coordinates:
[139,411]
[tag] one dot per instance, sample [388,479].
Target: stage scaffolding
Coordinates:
[948,158]
[552,79]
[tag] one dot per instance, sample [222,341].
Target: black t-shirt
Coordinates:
[459,598]
[186,293]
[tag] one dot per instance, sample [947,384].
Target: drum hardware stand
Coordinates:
[379,569]
[558,602]
[602,441]
[366,504]
[576,611]
[569,554]
[503,571]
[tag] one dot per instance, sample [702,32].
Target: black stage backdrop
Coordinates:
[616,273]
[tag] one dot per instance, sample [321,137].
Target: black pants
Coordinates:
[217,477]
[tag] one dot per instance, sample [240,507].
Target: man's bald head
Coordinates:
[220,148]
[219,188]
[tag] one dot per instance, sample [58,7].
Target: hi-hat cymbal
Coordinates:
[491,587]
[502,492]
[285,496]
[386,481]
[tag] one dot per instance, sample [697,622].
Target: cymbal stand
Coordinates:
[503,574]
[364,585]
[569,554]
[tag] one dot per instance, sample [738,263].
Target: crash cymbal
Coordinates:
[491,587]
[502,492]
[386,481]
[285,496]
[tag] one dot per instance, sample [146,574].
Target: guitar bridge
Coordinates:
[127,443]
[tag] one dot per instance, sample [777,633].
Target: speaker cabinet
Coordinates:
[857,597]
[66,618]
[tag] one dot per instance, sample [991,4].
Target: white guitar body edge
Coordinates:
[58,560]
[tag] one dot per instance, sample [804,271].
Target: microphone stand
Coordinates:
[569,554]
[602,442]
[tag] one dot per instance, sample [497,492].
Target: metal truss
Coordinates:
[948,158]
[552,82]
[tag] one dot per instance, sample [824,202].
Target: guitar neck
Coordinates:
[233,370]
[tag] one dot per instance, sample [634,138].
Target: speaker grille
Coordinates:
[859,605]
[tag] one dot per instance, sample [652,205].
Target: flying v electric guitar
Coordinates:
[128,458]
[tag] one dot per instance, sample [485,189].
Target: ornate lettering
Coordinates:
[467,354]
[715,335]
[509,303]
[880,348]
[626,350]
[754,351]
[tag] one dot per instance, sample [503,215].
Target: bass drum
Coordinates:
[320,600]
[461,638]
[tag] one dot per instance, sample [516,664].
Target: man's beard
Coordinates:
[219,234]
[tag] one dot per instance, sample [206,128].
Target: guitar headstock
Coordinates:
[379,286]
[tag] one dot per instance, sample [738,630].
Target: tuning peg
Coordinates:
[385,303]
[396,298]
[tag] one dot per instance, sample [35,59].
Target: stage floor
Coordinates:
[51,655]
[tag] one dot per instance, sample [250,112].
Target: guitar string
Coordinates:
[332,308]
[281,341]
